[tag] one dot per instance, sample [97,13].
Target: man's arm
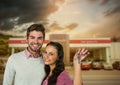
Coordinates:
[9,72]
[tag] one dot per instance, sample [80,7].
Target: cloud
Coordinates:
[108,25]
[112,11]
[106,28]
[55,27]
[19,12]
[72,26]
[114,8]
[102,2]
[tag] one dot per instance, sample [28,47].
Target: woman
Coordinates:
[54,65]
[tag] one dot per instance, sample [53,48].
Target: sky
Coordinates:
[77,18]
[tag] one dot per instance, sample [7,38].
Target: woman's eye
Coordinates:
[45,53]
[50,53]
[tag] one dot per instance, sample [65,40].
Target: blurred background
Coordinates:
[93,24]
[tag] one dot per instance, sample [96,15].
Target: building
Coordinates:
[100,48]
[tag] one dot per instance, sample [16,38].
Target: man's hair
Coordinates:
[36,27]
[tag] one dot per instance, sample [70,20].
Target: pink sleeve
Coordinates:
[64,79]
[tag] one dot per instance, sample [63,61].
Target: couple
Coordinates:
[33,67]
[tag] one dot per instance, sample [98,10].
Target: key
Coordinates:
[79,58]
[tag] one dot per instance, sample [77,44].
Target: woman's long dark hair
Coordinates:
[59,64]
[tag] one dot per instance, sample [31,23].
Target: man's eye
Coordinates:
[32,37]
[40,38]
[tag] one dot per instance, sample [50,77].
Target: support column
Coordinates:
[108,55]
[13,50]
[64,40]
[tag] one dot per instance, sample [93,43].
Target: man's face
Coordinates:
[35,41]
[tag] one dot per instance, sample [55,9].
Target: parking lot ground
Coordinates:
[93,77]
[94,72]
[98,77]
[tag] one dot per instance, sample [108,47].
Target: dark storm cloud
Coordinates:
[114,14]
[114,8]
[18,12]
[113,11]
[100,1]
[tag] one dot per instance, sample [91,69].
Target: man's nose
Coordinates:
[36,40]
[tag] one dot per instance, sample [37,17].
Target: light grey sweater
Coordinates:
[23,71]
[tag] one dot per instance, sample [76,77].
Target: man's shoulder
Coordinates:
[18,54]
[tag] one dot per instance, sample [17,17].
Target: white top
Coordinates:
[24,71]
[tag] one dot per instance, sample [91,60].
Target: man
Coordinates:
[27,67]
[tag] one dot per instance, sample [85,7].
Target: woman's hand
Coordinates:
[80,54]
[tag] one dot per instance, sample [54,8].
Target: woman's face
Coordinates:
[50,55]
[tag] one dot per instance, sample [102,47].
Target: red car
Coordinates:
[85,65]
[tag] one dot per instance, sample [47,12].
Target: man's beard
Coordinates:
[37,50]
